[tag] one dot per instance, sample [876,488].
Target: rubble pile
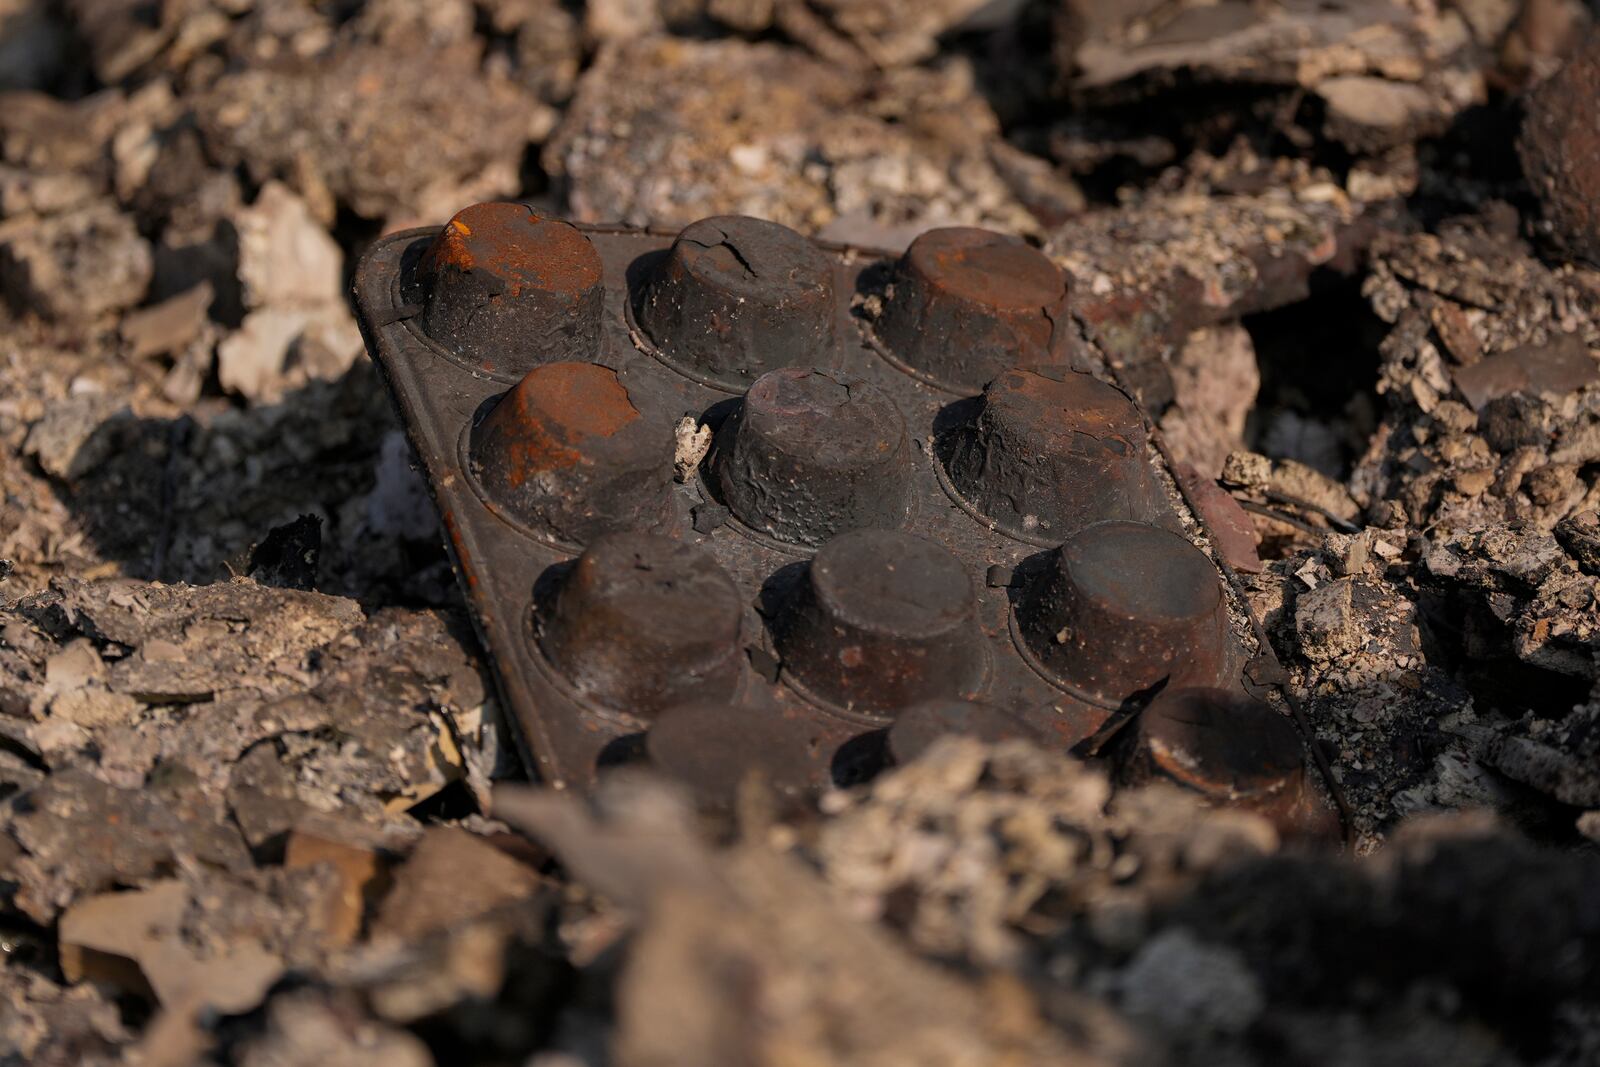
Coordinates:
[256,803]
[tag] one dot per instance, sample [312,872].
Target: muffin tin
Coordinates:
[733,499]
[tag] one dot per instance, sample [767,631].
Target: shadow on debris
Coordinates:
[315,491]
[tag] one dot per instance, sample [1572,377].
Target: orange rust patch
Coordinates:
[521,249]
[544,422]
[1080,403]
[985,268]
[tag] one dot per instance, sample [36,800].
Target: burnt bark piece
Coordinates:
[287,557]
[1560,149]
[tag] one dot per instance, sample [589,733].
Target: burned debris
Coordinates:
[650,532]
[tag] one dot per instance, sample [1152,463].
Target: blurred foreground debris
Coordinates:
[1343,250]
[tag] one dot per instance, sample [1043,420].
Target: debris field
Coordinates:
[634,533]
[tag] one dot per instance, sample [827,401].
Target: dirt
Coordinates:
[256,807]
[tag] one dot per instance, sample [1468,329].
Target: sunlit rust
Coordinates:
[985,268]
[522,249]
[556,409]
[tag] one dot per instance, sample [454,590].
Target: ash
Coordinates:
[256,805]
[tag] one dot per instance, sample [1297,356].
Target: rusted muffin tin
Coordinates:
[913,508]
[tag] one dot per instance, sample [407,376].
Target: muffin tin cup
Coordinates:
[881,620]
[1224,746]
[812,453]
[736,297]
[1046,452]
[1123,608]
[568,454]
[964,305]
[505,290]
[614,625]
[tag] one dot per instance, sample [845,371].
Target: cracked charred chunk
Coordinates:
[79,836]
[76,435]
[246,688]
[77,266]
[358,127]
[1389,71]
[1371,693]
[1146,275]
[1579,534]
[50,1023]
[165,643]
[1560,758]
[1560,148]
[1496,479]
[810,144]
[1518,574]
[1491,371]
